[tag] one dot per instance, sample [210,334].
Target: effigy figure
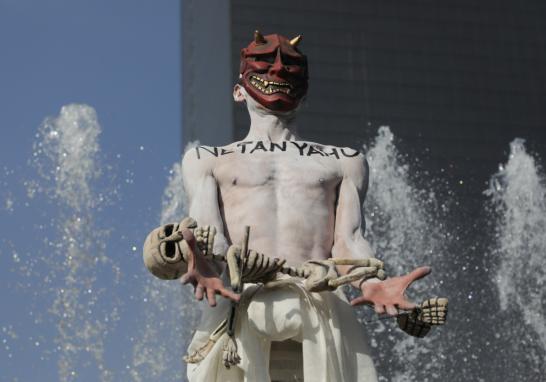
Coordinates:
[276,227]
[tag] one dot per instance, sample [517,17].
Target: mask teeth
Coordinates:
[270,87]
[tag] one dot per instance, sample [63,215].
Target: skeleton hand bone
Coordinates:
[433,311]
[204,237]
[418,322]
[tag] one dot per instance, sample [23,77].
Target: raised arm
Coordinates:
[388,295]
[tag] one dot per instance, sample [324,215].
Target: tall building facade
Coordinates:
[460,78]
[456,81]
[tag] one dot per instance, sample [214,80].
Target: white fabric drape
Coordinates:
[333,342]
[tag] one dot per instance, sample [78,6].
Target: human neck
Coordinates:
[266,126]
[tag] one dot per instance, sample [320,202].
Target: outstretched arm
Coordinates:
[388,295]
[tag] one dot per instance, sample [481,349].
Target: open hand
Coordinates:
[201,275]
[389,295]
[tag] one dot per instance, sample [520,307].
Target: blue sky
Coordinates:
[122,57]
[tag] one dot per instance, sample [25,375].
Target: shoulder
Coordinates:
[348,157]
[355,167]
[335,152]
[351,163]
[353,160]
[202,160]
[198,160]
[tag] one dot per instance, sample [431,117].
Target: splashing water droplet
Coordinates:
[519,207]
[159,347]
[404,231]
[66,157]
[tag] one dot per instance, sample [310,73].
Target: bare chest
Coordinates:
[289,165]
[287,189]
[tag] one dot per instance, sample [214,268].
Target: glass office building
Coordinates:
[456,82]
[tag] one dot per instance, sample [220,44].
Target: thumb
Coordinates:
[359,301]
[406,305]
[188,236]
[187,278]
[417,274]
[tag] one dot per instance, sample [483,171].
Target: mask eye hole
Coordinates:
[288,60]
[269,58]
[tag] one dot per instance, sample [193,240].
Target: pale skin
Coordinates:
[302,200]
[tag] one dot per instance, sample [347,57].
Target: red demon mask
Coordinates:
[274,72]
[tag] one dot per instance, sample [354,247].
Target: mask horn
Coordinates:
[259,38]
[296,40]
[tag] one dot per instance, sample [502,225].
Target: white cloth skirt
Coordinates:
[333,341]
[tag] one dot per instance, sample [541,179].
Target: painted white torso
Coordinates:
[285,191]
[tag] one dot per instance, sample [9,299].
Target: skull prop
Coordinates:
[165,252]
[274,72]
